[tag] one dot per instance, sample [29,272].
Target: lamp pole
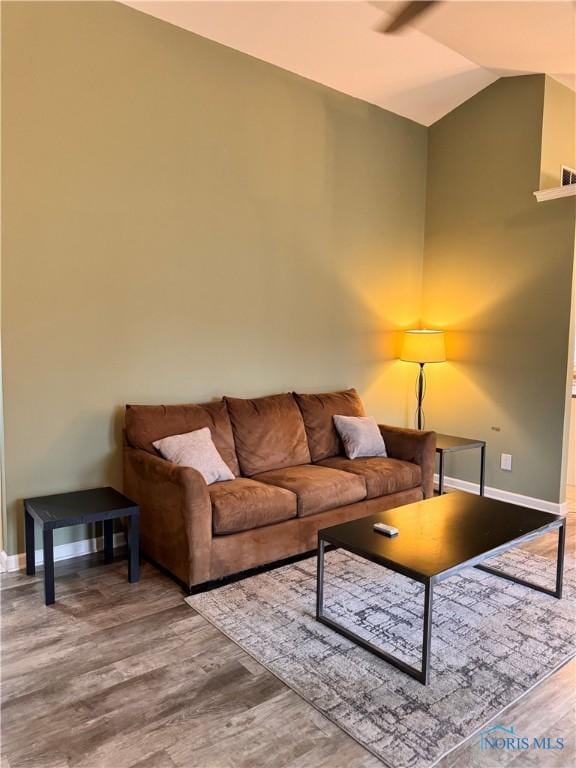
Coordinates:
[419,412]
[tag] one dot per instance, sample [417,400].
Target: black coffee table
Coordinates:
[78,507]
[438,538]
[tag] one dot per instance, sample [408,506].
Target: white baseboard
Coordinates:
[61,552]
[509,496]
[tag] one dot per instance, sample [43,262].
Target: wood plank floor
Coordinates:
[116,675]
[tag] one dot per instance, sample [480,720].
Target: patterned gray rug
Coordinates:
[492,641]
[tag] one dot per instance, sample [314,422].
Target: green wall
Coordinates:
[183,221]
[498,274]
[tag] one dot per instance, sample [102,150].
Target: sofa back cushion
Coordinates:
[318,412]
[147,423]
[269,433]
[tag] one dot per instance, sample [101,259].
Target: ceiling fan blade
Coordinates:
[407,14]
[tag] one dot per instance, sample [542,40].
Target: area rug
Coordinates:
[492,641]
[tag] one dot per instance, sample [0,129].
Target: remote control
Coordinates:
[387,530]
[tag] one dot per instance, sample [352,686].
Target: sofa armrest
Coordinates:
[416,446]
[175,512]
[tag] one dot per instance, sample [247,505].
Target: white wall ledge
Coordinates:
[568,190]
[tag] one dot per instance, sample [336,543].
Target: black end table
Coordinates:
[450,444]
[64,509]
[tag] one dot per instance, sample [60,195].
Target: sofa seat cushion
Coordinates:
[381,475]
[269,433]
[318,412]
[243,504]
[317,488]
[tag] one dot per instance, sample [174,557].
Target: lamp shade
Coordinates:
[423,346]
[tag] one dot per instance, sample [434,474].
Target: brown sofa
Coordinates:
[291,479]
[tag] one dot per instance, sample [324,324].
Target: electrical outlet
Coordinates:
[506,461]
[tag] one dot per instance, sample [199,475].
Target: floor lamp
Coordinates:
[423,346]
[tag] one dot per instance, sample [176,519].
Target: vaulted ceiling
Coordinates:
[442,59]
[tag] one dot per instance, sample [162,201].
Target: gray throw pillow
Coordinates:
[197,450]
[360,435]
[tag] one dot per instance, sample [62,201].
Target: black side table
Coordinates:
[450,444]
[64,509]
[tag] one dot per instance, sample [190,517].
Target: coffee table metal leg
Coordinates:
[560,559]
[427,632]
[482,469]
[30,543]
[422,674]
[134,549]
[557,591]
[320,578]
[48,541]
